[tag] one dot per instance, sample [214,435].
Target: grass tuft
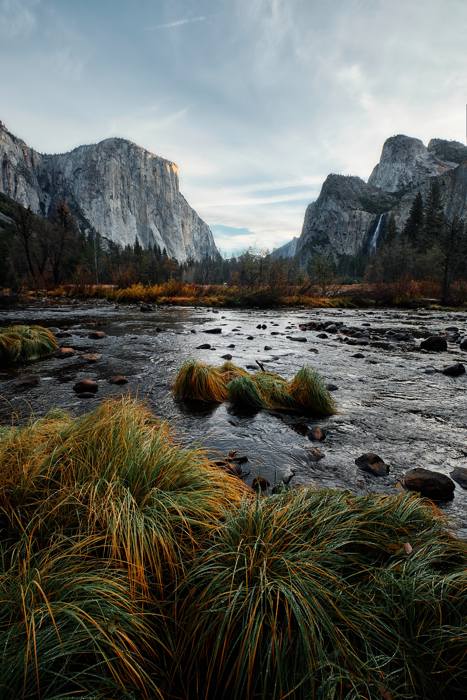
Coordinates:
[25,343]
[306,393]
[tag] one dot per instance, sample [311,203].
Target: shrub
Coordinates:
[25,343]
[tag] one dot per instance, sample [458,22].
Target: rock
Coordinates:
[213,331]
[97,335]
[204,346]
[91,356]
[85,386]
[118,379]
[434,485]
[227,357]
[315,350]
[231,346]
[28,381]
[372,463]
[331,387]
[358,355]
[454,370]
[86,395]
[259,483]
[267,347]
[113,186]
[249,337]
[146,308]
[63,334]
[62,353]
[459,474]
[316,434]
[314,454]
[322,335]
[463,344]
[297,339]
[435,343]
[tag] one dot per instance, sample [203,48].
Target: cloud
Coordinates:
[17,18]
[177,23]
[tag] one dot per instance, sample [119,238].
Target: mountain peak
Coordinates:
[406,162]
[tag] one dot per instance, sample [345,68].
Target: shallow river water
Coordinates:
[391,398]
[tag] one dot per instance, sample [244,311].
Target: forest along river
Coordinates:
[391,398]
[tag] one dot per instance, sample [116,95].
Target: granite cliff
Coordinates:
[349,216]
[114,187]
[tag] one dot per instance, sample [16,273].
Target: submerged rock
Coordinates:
[62,353]
[317,434]
[97,335]
[118,379]
[434,485]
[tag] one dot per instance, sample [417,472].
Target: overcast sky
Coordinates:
[256,100]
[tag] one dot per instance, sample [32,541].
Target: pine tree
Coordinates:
[434,216]
[413,229]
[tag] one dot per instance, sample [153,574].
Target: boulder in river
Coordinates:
[27,381]
[259,483]
[372,463]
[97,335]
[463,344]
[65,352]
[118,379]
[454,370]
[435,343]
[146,308]
[316,434]
[213,331]
[297,339]
[459,474]
[434,485]
[204,346]
[86,386]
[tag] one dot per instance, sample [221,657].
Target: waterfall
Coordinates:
[376,234]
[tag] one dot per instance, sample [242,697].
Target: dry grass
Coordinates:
[25,343]
[132,568]
[306,392]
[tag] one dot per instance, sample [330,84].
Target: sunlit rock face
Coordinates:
[116,188]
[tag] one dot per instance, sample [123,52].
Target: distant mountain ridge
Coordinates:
[349,211]
[114,187]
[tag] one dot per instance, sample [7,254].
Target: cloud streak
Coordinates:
[177,23]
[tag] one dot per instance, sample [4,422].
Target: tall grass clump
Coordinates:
[306,392]
[25,343]
[116,474]
[312,595]
[197,381]
[309,392]
[70,627]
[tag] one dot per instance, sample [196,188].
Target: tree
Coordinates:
[413,228]
[322,271]
[434,216]
[453,243]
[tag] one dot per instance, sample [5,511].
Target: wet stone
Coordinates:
[455,370]
[64,352]
[459,474]
[435,343]
[86,386]
[97,335]
[118,379]
[430,484]
[372,463]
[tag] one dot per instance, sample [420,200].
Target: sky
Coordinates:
[255,100]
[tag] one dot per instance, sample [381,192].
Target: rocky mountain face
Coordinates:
[114,187]
[349,216]
[287,250]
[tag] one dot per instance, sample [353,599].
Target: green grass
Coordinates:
[311,595]
[131,567]
[306,392]
[25,343]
